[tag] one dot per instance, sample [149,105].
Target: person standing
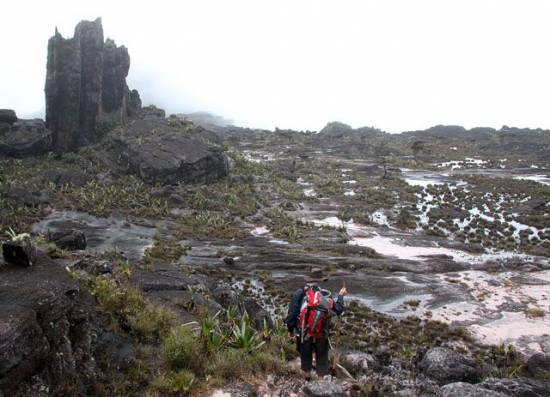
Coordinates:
[308,316]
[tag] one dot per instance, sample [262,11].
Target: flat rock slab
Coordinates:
[102,234]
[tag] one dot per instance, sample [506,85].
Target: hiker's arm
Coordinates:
[294,310]
[339,302]
[339,307]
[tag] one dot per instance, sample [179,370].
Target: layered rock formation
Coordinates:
[167,151]
[86,84]
[21,138]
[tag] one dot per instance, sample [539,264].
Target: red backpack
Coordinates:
[313,318]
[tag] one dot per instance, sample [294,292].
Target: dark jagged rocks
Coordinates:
[86,84]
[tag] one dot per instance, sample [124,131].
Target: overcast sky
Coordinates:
[393,64]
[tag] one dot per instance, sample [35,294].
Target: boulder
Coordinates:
[445,366]
[467,390]
[357,362]
[7,116]
[19,252]
[26,138]
[86,85]
[152,112]
[323,388]
[69,240]
[538,364]
[161,153]
[518,387]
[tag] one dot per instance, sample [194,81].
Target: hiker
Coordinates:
[308,319]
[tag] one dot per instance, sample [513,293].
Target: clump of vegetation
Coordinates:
[283,226]
[205,224]
[163,249]
[129,194]
[216,349]
[535,312]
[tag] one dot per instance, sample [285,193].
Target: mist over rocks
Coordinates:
[85,85]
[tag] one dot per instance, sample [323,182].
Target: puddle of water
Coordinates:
[102,234]
[544,179]
[259,231]
[511,326]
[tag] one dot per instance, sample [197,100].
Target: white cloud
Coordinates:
[396,65]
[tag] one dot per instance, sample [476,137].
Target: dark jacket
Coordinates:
[296,304]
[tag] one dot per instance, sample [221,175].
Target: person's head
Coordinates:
[315,277]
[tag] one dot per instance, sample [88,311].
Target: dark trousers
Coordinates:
[320,346]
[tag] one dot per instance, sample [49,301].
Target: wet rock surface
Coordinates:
[100,234]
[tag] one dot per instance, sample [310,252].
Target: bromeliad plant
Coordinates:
[245,337]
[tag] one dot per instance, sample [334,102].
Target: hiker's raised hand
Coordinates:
[290,335]
[343,291]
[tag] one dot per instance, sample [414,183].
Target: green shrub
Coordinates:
[183,350]
[152,322]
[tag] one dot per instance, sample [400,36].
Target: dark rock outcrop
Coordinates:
[45,328]
[539,364]
[19,252]
[68,239]
[159,152]
[445,366]
[7,116]
[24,138]
[518,387]
[152,112]
[85,85]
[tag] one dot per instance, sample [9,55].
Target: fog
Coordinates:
[396,65]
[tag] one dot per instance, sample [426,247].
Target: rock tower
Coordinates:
[85,85]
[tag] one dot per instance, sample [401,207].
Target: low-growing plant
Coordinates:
[179,382]
[245,337]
